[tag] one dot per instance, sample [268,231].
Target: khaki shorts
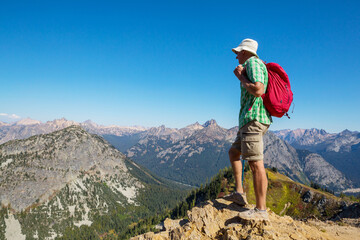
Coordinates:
[249,141]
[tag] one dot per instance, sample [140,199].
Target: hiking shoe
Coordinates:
[254,214]
[238,198]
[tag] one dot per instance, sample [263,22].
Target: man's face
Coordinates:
[240,57]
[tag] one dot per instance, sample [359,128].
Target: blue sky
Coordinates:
[170,62]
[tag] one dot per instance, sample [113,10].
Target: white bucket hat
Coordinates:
[247,45]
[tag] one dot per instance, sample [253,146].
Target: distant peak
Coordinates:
[89,122]
[195,126]
[156,129]
[27,121]
[61,123]
[61,120]
[3,124]
[316,131]
[211,122]
[346,131]
[322,131]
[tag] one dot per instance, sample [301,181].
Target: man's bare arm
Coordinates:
[256,89]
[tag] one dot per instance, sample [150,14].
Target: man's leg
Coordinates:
[260,183]
[236,164]
[237,196]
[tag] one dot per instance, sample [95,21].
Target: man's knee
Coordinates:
[234,154]
[257,166]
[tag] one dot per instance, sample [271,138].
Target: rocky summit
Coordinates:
[219,219]
[35,168]
[71,178]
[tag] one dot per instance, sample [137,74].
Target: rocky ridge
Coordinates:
[28,127]
[303,136]
[218,219]
[318,140]
[92,127]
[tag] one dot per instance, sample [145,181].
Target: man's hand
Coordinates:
[239,71]
[256,89]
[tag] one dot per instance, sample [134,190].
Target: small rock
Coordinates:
[308,196]
[321,202]
[296,236]
[170,224]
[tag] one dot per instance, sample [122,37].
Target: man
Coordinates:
[254,121]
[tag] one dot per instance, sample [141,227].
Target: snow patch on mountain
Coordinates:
[13,228]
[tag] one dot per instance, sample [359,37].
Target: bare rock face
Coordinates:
[219,219]
[323,173]
[283,156]
[308,196]
[33,169]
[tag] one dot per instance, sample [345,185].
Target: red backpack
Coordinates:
[278,96]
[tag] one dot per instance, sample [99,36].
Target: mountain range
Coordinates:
[28,127]
[196,152]
[192,154]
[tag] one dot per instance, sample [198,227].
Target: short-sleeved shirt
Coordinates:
[252,108]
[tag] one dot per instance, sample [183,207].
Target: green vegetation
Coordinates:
[3,214]
[158,194]
[197,196]
[350,198]
[318,186]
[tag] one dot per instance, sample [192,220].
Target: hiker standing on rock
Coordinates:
[254,121]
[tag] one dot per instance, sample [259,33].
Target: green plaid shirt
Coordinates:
[256,72]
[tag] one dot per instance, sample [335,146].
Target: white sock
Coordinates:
[260,210]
